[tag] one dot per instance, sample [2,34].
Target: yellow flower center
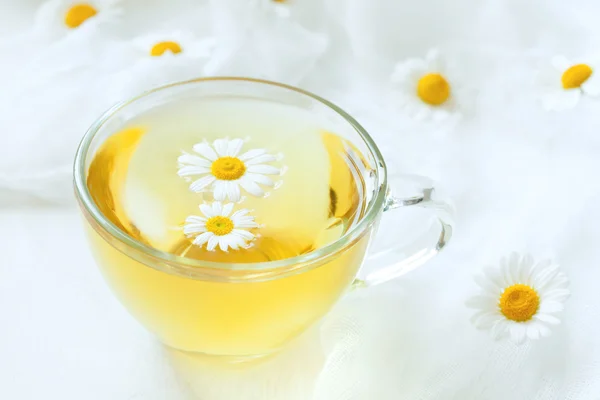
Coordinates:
[519,302]
[219,225]
[78,14]
[575,76]
[228,168]
[160,48]
[433,89]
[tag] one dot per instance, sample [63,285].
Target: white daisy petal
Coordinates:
[190,170]
[533,332]
[543,329]
[561,63]
[261,179]
[486,283]
[265,158]
[484,320]
[233,191]
[193,160]
[227,209]
[499,329]
[251,187]
[205,150]
[518,333]
[193,219]
[220,190]
[203,238]
[190,229]
[234,147]
[206,210]
[213,241]
[264,169]
[243,234]
[239,214]
[247,224]
[482,302]
[549,306]
[252,154]
[217,208]
[559,295]
[550,319]
[224,243]
[221,146]
[200,184]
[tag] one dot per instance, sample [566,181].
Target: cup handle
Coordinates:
[397,259]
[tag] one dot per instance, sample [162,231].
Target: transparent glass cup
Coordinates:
[254,309]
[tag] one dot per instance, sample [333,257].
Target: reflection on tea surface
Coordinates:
[137,182]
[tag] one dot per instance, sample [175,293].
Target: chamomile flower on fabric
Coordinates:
[221,168]
[424,87]
[57,18]
[520,299]
[564,82]
[174,45]
[218,227]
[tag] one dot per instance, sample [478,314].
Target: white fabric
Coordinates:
[522,180]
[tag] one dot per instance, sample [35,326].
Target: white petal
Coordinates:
[200,184]
[514,268]
[518,332]
[221,146]
[246,224]
[239,214]
[559,295]
[206,151]
[235,242]
[484,320]
[217,208]
[547,318]
[212,243]
[251,154]
[190,170]
[193,160]
[544,330]
[191,229]
[591,87]
[234,147]
[224,243]
[265,158]
[487,283]
[203,238]
[227,209]
[533,331]
[193,219]
[264,169]
[251,187]
[262,179]
[484,302]
[220,192]
[499,329]
[233,191]
[244,234]
[206,210]
[549,306]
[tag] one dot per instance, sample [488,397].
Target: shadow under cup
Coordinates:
[239,310]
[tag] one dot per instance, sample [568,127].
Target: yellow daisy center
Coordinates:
[228,168]
[576,75]
[160,48]
[433,89]
[78,14]
[219,225]
[519,302]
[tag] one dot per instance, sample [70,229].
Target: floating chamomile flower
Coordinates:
[562,83]
[225,171]
[520,299]
[218,227]
[425,88]
[58,17]
[176,44]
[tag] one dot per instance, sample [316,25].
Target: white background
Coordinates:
[522,179]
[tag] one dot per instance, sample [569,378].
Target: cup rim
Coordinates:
[190,266]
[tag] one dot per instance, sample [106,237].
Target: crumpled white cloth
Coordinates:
[522,179]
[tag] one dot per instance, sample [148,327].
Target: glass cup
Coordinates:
[254,309]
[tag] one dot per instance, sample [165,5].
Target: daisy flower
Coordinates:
[176,43]
[218,228]
[564,82]
[425,87]
[58,17]
[222,169]
[520,299]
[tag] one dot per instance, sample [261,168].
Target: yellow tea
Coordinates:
[230,181]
